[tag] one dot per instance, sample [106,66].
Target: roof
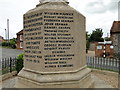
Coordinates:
[115,27]
[20,32]
[1,37]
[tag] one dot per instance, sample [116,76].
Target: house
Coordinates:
[115,36]
[20,40]
[104,49]
[1,39]
[110,48]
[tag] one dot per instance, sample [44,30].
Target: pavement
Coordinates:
[9,83]
[6,53]
[99,83]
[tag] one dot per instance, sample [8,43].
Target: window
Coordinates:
[21,37]
[99,47]
[21,44]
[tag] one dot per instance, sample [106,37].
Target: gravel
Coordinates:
[109,79]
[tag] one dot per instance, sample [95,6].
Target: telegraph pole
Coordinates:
[8,28]
[5,35]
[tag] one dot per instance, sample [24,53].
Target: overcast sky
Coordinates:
[98,13]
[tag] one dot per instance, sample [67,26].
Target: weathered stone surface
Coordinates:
[58,46]
[80,79]
[55,48]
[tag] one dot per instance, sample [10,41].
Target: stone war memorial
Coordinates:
[54,47]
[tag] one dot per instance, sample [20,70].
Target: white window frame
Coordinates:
[21,37]
[99,47]
[21,44]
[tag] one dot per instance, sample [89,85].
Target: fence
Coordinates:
[7,65]
[103,63]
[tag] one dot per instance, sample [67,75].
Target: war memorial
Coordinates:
[54,47]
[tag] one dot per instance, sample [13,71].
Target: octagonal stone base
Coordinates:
[79,79]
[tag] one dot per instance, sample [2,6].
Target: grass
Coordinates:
[102,69]
[6,70]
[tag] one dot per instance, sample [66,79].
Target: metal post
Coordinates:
[8,28]
[10,64]
[104,49]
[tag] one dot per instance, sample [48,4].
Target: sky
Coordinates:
[98,13]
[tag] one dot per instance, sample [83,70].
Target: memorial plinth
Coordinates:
[54,47]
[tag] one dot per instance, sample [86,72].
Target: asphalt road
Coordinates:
[6,53]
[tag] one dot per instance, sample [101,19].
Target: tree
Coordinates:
[13,40]
[107,38]
[10,44]
[13,43]
[96,35]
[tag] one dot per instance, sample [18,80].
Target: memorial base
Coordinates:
[79,79]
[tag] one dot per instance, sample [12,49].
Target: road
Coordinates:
[6,53]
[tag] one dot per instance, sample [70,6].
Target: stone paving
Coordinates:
[9,83]
[109,79]
[99,83]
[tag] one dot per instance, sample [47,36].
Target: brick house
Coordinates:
[115,36]
[1,39]
[104,49]
[20,40]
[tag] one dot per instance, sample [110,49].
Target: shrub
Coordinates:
[5,44]
[12,44]
[0,43]
[19,62]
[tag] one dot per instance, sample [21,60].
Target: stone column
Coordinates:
[55,48]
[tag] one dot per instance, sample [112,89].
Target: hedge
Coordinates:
[19,62]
